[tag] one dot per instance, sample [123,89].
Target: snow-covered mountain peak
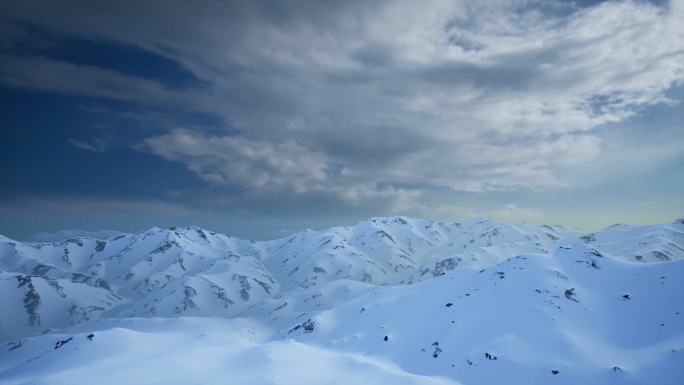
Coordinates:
[475,221]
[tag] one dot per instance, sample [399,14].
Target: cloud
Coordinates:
[95,145]
[482,164]
[46,74]
[234,159]
[383,100]
[260,165]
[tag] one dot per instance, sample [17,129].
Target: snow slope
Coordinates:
[478,302]
[189,351]
[30,302]
[400,250]
[641,243]
[155,273]
[593,318]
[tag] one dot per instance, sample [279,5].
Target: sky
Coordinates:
[261,118]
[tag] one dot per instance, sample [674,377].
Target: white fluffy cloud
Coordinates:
[234,159]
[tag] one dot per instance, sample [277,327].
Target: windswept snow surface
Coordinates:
[190,351]
[389,300]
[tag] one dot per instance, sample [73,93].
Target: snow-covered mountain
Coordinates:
[160,272]
[388,300]
[573,317]
[640,243]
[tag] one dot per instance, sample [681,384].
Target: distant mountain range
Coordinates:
[436,298]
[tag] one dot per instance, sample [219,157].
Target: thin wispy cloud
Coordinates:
[94,145]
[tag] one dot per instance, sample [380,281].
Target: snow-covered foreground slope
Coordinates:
[478,302]
[188,351]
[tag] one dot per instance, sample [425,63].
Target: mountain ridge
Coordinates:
[193,271]
[401,299]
